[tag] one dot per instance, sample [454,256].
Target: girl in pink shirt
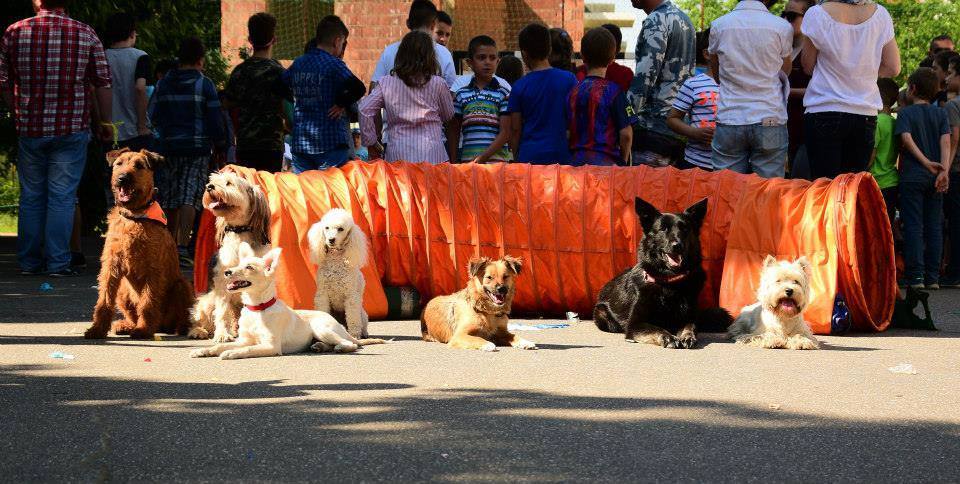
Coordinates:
[417,102]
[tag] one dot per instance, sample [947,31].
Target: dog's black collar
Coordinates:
[651,279]
[238,229]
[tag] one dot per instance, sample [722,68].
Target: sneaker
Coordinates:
[950,283]
[31,272]
[64,273]
[933,287]
[917,287]
[78,260]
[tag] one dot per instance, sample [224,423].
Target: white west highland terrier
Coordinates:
[776,320]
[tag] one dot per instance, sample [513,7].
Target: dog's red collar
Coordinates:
[664,280]
[262,307]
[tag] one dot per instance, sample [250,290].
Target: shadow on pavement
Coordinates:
[81,428]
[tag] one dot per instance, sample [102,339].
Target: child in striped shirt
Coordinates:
[697,99]
[480,109]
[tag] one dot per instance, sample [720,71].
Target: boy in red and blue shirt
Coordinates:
[600,119]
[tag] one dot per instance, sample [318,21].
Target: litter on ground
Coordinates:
[904,368]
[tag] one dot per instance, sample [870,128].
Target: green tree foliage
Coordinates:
[915,22]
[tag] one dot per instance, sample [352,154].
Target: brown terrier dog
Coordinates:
[139,271]
[476,317]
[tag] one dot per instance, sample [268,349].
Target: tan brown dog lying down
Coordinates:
[476,317]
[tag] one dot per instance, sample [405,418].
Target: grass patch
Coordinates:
[9,195]
[8,223]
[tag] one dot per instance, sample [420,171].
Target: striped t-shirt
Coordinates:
[698,98]
[480,111]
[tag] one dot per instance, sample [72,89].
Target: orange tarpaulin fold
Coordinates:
[575,229]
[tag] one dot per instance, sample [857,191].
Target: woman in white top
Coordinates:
[849,44]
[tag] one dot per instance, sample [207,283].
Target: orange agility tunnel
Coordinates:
[575,229]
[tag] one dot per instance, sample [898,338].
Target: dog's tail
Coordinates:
[605,320]
[714,320]
[371,341]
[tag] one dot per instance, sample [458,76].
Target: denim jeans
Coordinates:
[751,148]
[838,143]
[951,208]
[321,161]
[921,211]
[49,170]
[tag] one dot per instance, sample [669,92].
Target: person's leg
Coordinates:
[76,249]
[890,200]
[333,158]
[824,144]
[911,214]
[68,154]
[730,148]
[800,166]
[32,165]
[951,209]
[196,172]
[769,157]
[859,133]
[302,162]
[932,235]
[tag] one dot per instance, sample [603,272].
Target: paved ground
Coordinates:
[586,406]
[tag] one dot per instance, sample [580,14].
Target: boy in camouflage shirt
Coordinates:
[256,89]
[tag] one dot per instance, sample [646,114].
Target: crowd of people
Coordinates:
[807,94]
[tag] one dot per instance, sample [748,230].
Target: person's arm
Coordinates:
[675,122]
[787,65]
[453,138]
[890,60]
[626,145]
[911,147]
[808,56]
[141,73]
[954,141]
[651,53]
[516,127]
[370,107]
[942,182]
[98,75]
[715,66]
[503,136]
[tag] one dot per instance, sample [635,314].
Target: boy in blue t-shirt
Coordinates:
[597,110]
[480,109]
[924,133]
[697,101]
[536,103]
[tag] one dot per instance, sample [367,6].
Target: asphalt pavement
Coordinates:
[586,406]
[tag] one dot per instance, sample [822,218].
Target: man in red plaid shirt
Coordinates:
[48,66]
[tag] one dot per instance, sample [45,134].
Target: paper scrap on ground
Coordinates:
[535,327]
[904,368]
[61,355]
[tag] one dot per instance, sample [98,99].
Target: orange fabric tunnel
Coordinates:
[575,229]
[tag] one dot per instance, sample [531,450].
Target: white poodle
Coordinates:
[339,249]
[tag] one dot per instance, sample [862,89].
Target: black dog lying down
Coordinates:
[657,298]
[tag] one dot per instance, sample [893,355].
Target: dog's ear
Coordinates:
[271,261]
[477,265]
[356,250]
[114,154]
[244,250]
[318,251]
[769,261]
[514,264]
[697,212]
[153,159]
[804,264]
[648,213]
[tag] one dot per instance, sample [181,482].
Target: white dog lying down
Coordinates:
[268,327]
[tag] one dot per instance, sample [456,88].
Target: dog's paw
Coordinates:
[197,332]
[525,345]
[488,347]
[802,343]
[669,341]
[231,354]
[141,333]
[347,347]
[199,353]
[321,347]
[686,340]
[222,337]
[94,333]
[123,327]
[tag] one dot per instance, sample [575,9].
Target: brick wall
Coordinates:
[376,23]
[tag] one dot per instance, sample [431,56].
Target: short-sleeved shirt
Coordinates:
[597,110]
[698,98]
[848,59]
[538,98]
[926,124]
[52,60]
[884,167]
[621,75]
[256,88]
[315,79]
[127,64]
[389,57]
[751,43]
[952,108]
[480,111]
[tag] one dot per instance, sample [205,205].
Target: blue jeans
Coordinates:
[321,161]
[751,148]
[921,211]
[951,209]
[49,170]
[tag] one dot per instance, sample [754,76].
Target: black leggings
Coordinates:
[838,143]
